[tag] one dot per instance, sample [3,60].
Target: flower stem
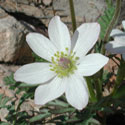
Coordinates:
[91,90]
[72,11]
[98,87]
[120,76]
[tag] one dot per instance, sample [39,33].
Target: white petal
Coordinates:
[50,91]
[87,35]
[59,34]
[76,92]
[116,47]
[123,23]
[91,64]
[116,33]
[123,56]
[34,73]
[41,45]
[120,39]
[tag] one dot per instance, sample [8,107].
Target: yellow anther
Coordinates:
[76,58]
[66,49]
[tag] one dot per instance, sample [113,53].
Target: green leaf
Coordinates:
[1,96]
[63,110]
[9,80]
[90,121]
[72,120]
[39,117]
[58,103]
[27,85]
[120,93]
[106,76]
[38,59]
[105,20]
[3,101]
[44,111]
[4,123]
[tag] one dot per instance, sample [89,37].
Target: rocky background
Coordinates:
[19,17]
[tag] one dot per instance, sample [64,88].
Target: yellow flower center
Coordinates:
[64,64]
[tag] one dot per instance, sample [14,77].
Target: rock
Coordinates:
[3,113]
[2,14]
[47,2]
[90,9]
[13,47]
[19,7]
[22,1]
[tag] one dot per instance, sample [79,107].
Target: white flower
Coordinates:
[118,45]
[67,65]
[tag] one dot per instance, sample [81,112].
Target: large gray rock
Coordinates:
[90,9]
[14,6]
[13,46]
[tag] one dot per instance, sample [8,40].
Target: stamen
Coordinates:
[76,58]
[66,49]
[64,64]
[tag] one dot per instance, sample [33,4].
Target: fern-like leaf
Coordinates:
[3,100]
[105,20]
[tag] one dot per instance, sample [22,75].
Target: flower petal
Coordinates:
[50,91]
[87,35]
[76,92]
[91,64]
[120,39]
[59,34]
[123,56]
[34,73]
[116,47]
[116,33]
[123,23]
[41,45]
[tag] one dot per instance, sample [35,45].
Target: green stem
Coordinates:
[98,87]
[91,90]
[120,76]
[72,11]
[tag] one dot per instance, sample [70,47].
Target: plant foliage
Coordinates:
[106,19]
